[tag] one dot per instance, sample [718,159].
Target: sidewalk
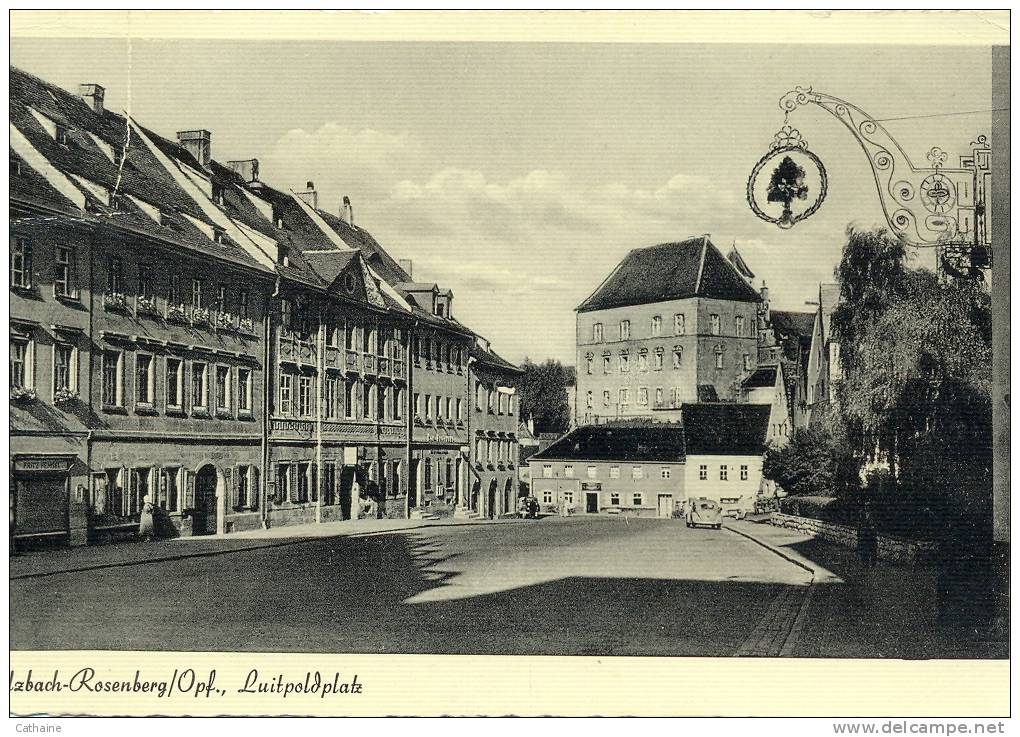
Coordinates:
[852,612]
[67,560]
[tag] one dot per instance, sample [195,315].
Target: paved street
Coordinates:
[604,586]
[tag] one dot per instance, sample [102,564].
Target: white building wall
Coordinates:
[739,493]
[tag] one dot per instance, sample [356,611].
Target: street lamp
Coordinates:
[925,207]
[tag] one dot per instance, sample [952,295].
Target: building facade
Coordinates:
[670,322]
[285,369]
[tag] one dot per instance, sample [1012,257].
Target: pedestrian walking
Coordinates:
[867,539]
[146,525]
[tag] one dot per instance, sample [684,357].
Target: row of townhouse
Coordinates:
[182,331]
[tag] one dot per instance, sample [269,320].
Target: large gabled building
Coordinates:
[671,324]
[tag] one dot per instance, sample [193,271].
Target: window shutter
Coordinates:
[314,472]
[189,490]
[235,499]
[294,471]
[281,490]
[254,490]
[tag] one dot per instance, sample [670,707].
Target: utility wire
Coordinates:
[942,115]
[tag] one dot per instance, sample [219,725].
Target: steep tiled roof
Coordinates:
[489,357]
[725,428]
[762,377]
[793,331]
[690,268]
[625,443]
[828,298]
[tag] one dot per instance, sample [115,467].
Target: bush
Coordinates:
[814,462]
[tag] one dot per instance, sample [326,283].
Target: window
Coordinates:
[614,472]
[479,394]
[21,263]
[568,472]
[718,358]
[65,370]
[244,390]
[568,497]
[144,379]
[614,499]
[21,364]
[64,282]
[547,496]
[15,167]
[642,361]
[624,363]
[676,396]
[331,391]
[679,324]
[589,361]
[302,482]
[714,324]
[243,487]
[172,491]
[596,332]
[61,134]
[304,396]
[115,277]
[351,396]
[489,401]
[636,500]
[624,398]
[624,329]
[221,298]
[196,293]
[738,326]
[286,394]
[460,409]
[546,470]
[606,364]
[657,360]
[642,396]
[200,386]
[589,400]
[242,306]
[678,356]
[747,362]
[174,383]
[743,473]
[703,473]
[428,405]
[222,388]
[398,404]
[723,472]
[637,473]
[657,326]
[417,404]
[665,472]
[174,296]
[593,472]
[658,396]
[605,398]
[113,378]
[367,395]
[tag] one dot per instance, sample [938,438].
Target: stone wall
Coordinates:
[892,549]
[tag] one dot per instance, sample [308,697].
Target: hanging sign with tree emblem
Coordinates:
[788,184]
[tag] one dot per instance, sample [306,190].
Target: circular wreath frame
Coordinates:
[823,188]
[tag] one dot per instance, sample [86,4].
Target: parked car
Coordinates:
[704,513]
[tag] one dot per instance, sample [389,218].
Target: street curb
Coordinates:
[209,553]
[798,623]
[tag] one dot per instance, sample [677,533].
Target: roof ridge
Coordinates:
[701,265]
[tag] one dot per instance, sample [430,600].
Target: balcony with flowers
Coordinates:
[176,313]
[22,394]
[246,325]
[115,302]
[225,321]
[145,305]
[199,316]
[64,395]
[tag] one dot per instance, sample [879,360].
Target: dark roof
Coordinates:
[725,428]
[650,443]
[707,393]
[793,331]
[690,268]
[492,359]
[739,264]
[762,377]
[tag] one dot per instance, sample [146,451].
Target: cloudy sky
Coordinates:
[518,175]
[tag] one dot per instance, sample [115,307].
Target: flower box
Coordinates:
[146,305]
[200,316]
[22,394]
[175,313]
[224,321]
[63,396]
[114,301]
[246,325]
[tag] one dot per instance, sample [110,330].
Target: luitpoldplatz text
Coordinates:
[186,682]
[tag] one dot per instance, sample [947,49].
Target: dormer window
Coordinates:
[440,308]
[217,194]
[61,135]
[283,256]
[15,167]
[219,236]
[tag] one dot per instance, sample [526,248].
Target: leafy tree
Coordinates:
[544,396]
[815,462]
[787,185]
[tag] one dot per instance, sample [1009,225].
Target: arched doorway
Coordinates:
[508,496]
[204,520]
[490,511]
[476,489]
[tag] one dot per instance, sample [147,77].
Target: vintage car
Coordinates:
[704,513]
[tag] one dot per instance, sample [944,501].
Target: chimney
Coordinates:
[93,95]
[309,195]
[198,144]
[407,265]
[247,169]
[347,212]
